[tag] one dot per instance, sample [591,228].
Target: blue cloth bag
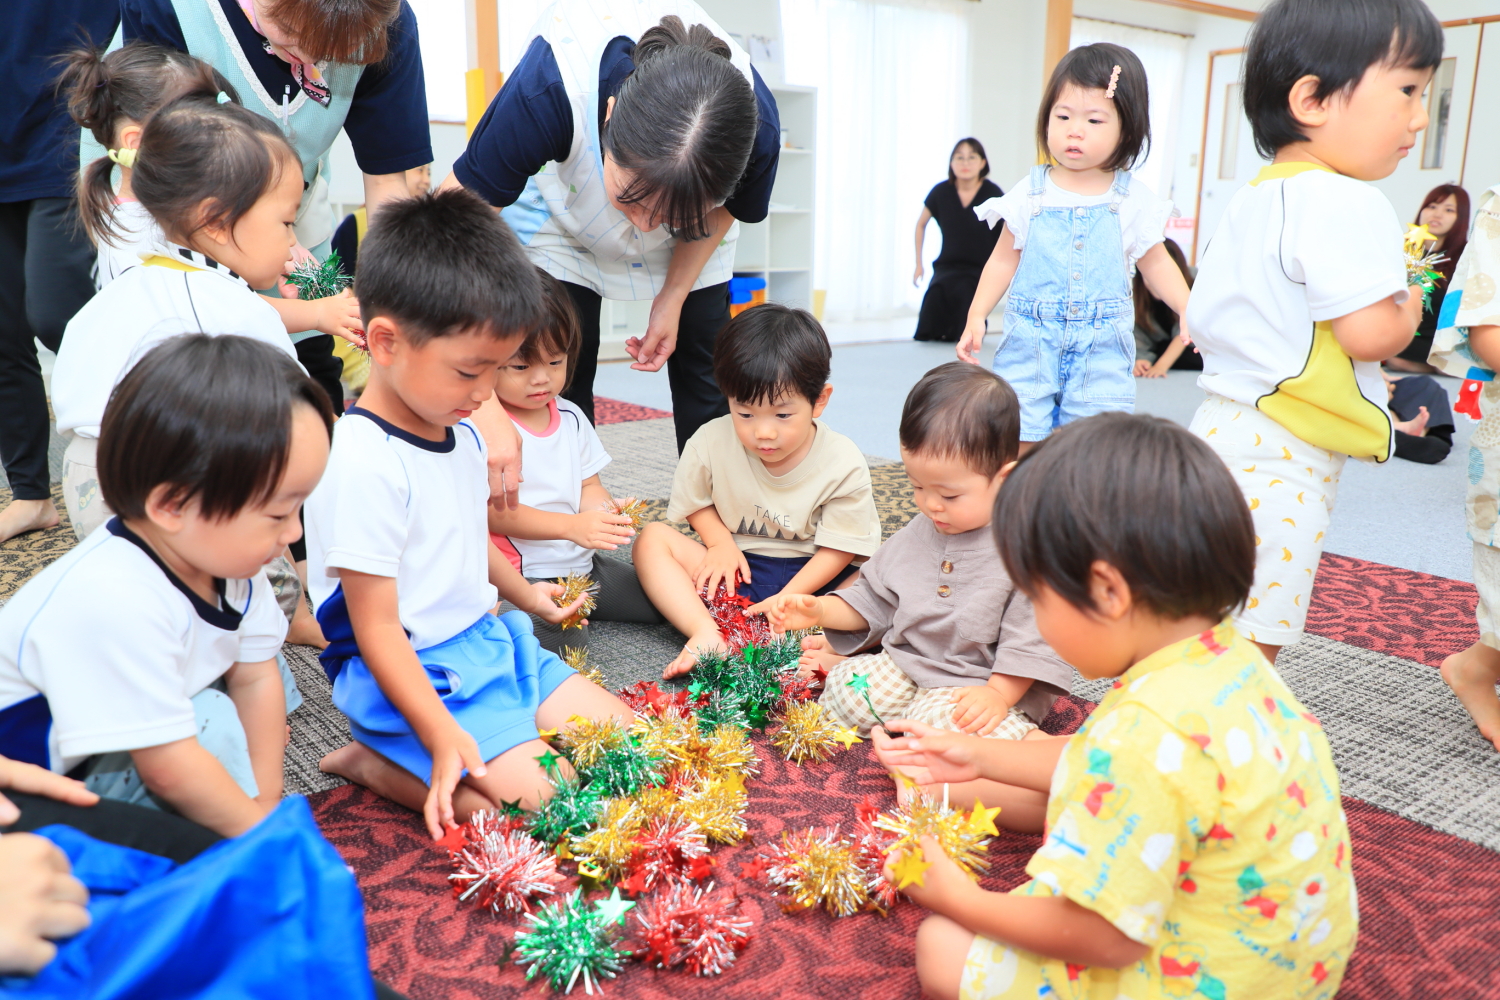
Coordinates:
[273,913]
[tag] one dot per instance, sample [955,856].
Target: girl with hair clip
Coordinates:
[223,186]
[112,94]
[1446,213]
[1076,230]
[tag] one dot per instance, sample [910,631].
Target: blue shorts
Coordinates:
[769,574]
[492,676]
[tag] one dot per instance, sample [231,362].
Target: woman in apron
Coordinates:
[315,67]
[623,147]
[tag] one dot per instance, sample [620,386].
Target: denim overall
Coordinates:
[1068,345]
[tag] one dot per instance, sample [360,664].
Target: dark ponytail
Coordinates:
[197,152]
[106,91]
[684,124]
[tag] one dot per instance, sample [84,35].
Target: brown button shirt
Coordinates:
[946,611]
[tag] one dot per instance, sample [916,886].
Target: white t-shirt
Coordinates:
[825,502]
[394,504]
[1143,216]
[136,235]
[160,299]
[116,646]
[555,463]
[1297,247]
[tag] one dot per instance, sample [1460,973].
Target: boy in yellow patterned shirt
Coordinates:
[1196,844]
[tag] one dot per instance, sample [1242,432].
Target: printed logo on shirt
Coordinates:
[768,524]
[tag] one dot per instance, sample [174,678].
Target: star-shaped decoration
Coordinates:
[701,868]
[548,761]
[547,734]
[697,689]
[753,869]
[860,683]
[733,781]
[614,908]
[848,737]
[636,883]
[576,719]
[589,868]
[1416,235]
[563,854]
[982,820]
[909,869]
[511,807]
[453,840]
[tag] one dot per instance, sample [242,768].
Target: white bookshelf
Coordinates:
[779,249]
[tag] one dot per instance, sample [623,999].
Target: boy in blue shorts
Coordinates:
[444,699]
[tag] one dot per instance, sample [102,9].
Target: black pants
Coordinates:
[325,367]
[696,398]
[149,830]
[46,275]
[945,307]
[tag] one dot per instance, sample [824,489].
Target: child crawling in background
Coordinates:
[957,645]
[1196,844]
[797,492]
[444,699]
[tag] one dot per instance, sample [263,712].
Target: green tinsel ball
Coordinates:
[569,941]
[623,771]
[319,279]
[724,708]
[571,810]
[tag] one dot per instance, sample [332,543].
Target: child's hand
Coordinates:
[1183,333]
[452,751]
[548,611]
[929,756]
[789,612]
[40,901]
[1158,370]
[598,529]
[1141,367]
[943,882]
[720,564]
[979,709]
[969,343]
[339,315]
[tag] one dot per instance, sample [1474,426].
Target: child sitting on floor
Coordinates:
[1196,844]
[1467,345]
[403,575]
[144,660]
[797,492]
[562,526]
[958,645]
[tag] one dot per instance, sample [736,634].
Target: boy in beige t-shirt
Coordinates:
[783,503]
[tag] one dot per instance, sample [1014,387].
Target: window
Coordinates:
[1439,107]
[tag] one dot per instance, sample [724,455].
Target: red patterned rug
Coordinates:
[613,411]
[1427,899]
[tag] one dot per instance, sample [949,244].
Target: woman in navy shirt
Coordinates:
[622,150]
[967,243]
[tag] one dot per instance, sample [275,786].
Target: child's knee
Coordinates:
[942,949]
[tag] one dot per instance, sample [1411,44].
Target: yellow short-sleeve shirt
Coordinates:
[1198,811]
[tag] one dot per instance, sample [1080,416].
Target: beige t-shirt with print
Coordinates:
[825,502]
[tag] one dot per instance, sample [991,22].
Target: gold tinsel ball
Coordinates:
[588,740]
[629,507]
[819,868]
[962,835]
[728,751]
[718,807]
[807,733]
[578,658]
[575,585]
[606,848]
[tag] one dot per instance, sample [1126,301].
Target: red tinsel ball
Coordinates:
[501,867]
[738,630]
[699,929]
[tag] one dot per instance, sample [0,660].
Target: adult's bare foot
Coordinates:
[688,658]
[1472,675]
[21,516]
[817,658]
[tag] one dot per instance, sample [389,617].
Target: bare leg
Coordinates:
[1269,652]
[1472,674]
[577,696]
[304,629]
[21,516]
[357,763]
[665,560]
[942,949]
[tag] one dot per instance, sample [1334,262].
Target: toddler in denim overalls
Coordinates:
[1068,344]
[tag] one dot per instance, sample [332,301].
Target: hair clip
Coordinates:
[124,157]
[223,98]
[1114,79]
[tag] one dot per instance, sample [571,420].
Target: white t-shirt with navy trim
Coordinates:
[138,310]
[555,463]
[394,504]
[104,650]
[135,234]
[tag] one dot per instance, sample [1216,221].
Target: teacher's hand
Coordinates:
[661,335]
[23,777]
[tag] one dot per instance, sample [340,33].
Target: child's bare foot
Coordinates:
[688,658]
[817,657]
[21,516]
[1416,426]
[352,762]
[304,629]
[1472,675]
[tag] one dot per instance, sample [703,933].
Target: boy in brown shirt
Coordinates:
[958,643]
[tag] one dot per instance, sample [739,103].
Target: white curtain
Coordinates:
[445,50]
[1164,55]
[892,81]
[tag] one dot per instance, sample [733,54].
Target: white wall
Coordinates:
[1006,44]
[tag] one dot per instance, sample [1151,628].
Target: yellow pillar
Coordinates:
[1059,33]
[483,79]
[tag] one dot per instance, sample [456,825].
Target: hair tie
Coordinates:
[223,98]
[1114,78]
[124,157]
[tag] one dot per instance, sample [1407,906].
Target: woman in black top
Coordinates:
[1445,213]
[967,243]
